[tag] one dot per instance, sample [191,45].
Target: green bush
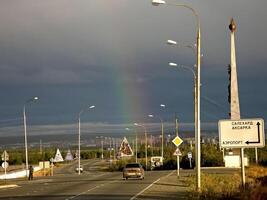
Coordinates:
[211,156]
[118,165]
[15,158]
[170,163]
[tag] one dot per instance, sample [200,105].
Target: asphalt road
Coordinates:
[92,184]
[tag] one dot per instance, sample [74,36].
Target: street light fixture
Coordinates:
[136,124]
[25,131]
[174,43]
[79,138]
[171,64]
[171,42]
[197,91]
[158,2]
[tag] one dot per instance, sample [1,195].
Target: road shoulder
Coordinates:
[168,187]
[8,186]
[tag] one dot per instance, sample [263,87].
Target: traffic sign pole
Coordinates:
[5,164]
[5,158]
[190,163]
[189,155]
[256,155]
[177,141]
[177,159]
[242,133]
[243,168]
[178,166]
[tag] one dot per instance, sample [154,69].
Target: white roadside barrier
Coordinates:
[17,174]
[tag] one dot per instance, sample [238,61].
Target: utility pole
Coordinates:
[178,158]
[135,147]
[151,143]
[102,150]
[41,149]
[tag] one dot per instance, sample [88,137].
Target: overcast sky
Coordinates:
[113,54]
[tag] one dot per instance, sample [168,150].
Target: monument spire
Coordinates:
[234,102]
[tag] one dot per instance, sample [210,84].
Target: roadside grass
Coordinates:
[228,186]
[117,165]
[42,172]
[256,187]
[214,186]
[2,183]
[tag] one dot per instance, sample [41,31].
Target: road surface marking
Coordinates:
[82,193]
[98,186]
[134,197]
[8,186]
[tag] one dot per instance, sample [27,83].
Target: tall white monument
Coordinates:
[234,102]
[234,98]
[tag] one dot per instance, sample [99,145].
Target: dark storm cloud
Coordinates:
[52,47]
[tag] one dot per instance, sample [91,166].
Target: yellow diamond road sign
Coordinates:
[177,141]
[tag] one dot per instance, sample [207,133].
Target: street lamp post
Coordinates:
[25,132]
[135,146]
[102,149]
[162,134]
[197,91]
[195,79]
[79,139]
[136,124]
[151,144]
[109,150]
[114,148]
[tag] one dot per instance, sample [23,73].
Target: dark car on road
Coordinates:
[133,170]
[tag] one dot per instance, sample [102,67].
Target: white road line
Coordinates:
[134,197]
[82,193]
[8,186]
[98,186]
[170,173]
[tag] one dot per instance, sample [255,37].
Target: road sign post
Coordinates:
[189,155]
[52,166]
[177,141]
[178,153]
[5,166]
[5,158]
[244,133]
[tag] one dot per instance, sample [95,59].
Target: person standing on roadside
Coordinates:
[30,172]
